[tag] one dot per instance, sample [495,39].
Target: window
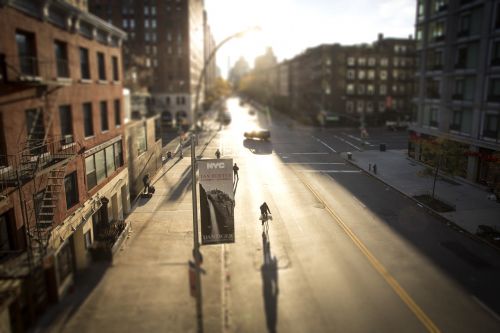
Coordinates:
[116,75]
[146,23]
[349,106]
[362,61]
[132,23]
[61,51]
[369,107]
[88,125]
[371,62]
[351,61]
[433,119]
[360,105]
[100,165]
[361,89]
[101,66]
[361,74]
[71,189]
[350,89]
[118,120]
[351,74]
[464,25]
[153,23]
[381,106]
[461,61]
[491,126]
[458,92]
[437,31]
[497,19]
[146,10]
[384,62]
[104,116]
[27,52]
[90,172]
[125,23]
[383,89]
[371,74]
[494,90]
[370,89]
[153,10]
[66,124]
[118,154]
[142,144]
[110,160]
[383,75]
[84,63]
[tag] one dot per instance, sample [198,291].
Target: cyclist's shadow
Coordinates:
[270,289]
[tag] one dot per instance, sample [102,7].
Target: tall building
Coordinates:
[458,77]
[62,163]
[166,44]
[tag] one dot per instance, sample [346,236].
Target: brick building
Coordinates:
[339,85]
[62,161]
[458,86]
[167,43]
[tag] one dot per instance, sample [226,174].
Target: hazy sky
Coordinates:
[291,26]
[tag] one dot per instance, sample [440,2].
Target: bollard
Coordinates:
[349,155]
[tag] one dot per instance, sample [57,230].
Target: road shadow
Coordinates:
[258,147]
[270,289]
[181,186]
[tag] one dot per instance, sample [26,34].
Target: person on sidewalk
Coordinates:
[146,182]
[235,171]
[374,168]
[217,153]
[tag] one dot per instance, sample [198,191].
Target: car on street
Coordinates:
[258,133]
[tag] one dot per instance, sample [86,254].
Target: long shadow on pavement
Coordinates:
[61,313]
[270,289]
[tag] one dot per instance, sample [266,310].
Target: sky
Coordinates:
[291,26]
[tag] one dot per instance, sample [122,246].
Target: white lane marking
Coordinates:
[357,139]
[327,146]
[309,153]
[345,141]
[362,205]
[486,308]
[314,163]
[333,171]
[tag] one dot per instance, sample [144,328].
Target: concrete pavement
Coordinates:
[395,168]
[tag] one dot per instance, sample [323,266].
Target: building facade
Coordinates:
[62,161]
[458,78]
[167,46]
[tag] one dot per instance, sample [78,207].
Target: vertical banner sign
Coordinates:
[216,201]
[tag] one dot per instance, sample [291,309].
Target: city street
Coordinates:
[343,252]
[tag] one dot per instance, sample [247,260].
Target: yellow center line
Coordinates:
[391,281]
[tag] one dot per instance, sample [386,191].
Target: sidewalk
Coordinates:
[397,170]
[145,288]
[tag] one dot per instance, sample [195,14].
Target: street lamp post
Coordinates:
[194,140]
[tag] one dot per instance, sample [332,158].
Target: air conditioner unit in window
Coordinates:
[67,139]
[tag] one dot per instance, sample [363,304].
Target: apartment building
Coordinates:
[62,160]
[167,44]
[458,78]
[359,85]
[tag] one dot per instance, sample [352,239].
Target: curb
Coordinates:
[440,217]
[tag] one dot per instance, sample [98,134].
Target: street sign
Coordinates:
[216,201]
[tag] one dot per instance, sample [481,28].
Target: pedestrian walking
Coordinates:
[146,182]
[374,168]
[264,211]
[217,153]
[235,171]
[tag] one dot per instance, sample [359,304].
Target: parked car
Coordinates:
[258,133]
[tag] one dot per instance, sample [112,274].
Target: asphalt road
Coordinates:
[343,253]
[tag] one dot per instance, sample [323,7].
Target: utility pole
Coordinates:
[196,243]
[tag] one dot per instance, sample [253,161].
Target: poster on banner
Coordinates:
[216,201]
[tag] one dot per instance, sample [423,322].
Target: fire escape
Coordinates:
[37,173]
